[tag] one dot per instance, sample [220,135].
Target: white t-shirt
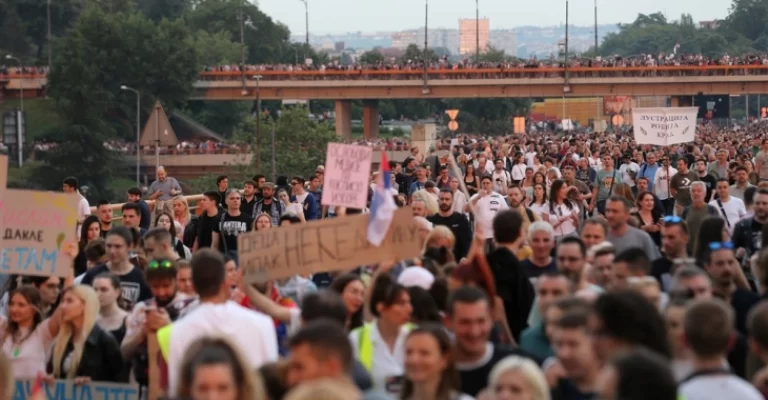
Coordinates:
[486,209]
[625,176]
[734,211]
[29,357]
[459,202]
[718,387]
[386,363]
[518,172]
[562,213]
[501,180]
[661,182]
[253,334]
[83,210]
[595,163]
[529,158]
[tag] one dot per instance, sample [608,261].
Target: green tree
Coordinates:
[494,55]
[216,48]
[101,52]
[747,18]
[300,142]
[371,57]
[156,10]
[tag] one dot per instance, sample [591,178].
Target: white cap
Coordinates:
[416,276]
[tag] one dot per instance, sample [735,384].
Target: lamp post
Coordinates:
[21,124]
[138,131]
[21,80]
[477,30]
[306,21]
[426,39]
[50,58]
[258,122]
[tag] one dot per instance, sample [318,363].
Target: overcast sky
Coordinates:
[341,16]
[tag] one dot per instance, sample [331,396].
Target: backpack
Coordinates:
[190,232]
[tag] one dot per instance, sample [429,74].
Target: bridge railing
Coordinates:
[469,73]
[491,73]
[116,209]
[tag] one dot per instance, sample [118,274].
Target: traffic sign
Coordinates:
[453,125]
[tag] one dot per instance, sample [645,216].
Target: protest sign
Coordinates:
[66,389]
[327,245]
[347,175]
[38,232]
[664,126]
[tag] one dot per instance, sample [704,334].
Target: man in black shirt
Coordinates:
[748,233]
[720,263]
[709,181]
[222,184]
[231,224]
[210,216]
[470,319]
[132,217]
[674,240]
[134,196]
[105,217]
[573,348]
[457,223]
[249,197]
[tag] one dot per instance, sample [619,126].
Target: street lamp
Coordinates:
[21,80]
[50,59]
[21,124]
[138,131]
[258,122]
[477,31]
[306,19]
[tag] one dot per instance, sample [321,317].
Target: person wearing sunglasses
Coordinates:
[165,306]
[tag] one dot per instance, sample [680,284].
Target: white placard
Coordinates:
[664,126]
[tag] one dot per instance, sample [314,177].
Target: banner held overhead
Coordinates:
[664,126]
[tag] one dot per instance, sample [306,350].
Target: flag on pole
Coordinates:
[382,205]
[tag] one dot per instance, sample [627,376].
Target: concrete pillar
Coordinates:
[344,118]
[370,118]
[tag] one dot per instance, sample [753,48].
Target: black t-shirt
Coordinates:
[533,271]
[475,378]
[229,227]
[711,183]
[566,390]
[246,207]
[205,230]
[661,269]
[223,199]
[133,286]
[459,225]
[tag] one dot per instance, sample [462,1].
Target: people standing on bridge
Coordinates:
[222,186]
[83,208]
[134,196]
[165,187]
[306,199]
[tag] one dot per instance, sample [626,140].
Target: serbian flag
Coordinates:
[382,205]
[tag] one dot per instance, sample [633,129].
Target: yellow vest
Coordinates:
[365,344]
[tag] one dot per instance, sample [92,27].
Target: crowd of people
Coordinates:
[554,266]
[494,69]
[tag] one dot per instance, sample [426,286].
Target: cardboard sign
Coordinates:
[38,232]
[3,171]
[326,245]
[664,126]
[347,175]
[65,389]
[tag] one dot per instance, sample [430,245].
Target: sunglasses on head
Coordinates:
[715,246]
[164,264]
[672,219]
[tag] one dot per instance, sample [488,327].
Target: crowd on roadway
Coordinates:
[555,265]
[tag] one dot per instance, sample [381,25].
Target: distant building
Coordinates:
[714,24]
[506,40]
[468,35]
[339,46]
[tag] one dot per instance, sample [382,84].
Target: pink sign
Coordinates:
[347,175]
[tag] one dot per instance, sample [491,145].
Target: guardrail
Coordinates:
[472,73]
[493,73]
[192,201]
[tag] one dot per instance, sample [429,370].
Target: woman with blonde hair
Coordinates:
[440,236]
[429,201]
[213,368]
[83,351]
[181,212]
[516,378]
[262,222]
